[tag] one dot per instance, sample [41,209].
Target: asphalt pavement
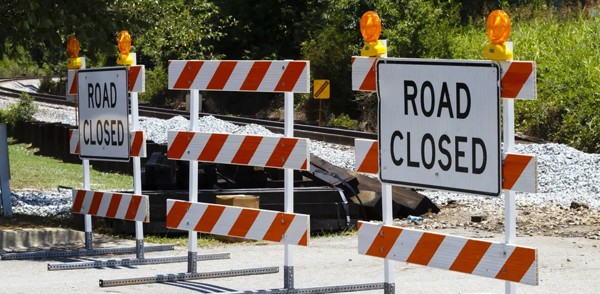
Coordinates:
[566,265]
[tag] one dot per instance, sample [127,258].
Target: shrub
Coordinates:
[22,111]
[156,92]
[342,120]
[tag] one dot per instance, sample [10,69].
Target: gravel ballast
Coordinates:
[565,175]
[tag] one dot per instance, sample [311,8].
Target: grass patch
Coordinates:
[29,171]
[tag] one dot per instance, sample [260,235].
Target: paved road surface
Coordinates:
[566,265]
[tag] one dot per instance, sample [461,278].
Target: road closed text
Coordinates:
[439,124]
[107,132]
[426,150]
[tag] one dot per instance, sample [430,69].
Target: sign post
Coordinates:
[439,124]
[321,91]
[5,195]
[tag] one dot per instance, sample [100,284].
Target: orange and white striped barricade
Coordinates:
[263,151]
[136,80]
[137,139]
[248,223]
[471,256]
[364,74]
[519,171]
[112,205]
[518,80]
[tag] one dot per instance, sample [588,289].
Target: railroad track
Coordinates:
[326,134]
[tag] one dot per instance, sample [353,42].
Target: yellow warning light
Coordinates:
[498,30]
[74,61]
[124,41]
[370,28]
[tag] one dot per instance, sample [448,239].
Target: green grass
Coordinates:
[29,171]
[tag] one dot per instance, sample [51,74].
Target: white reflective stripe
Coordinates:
[447,252]
[530,277]
[272,76]
[361,149]
[302,85]
[296,230]
[192,217]
[226,221]
[174,71]
[299,154]
[238,76]
[360,70]
[404,245]
[123,206]
[230,149]
[104,203]
[143,209]
[261,225]
[206,73]
[73,141]
[366,235]
[493,260]
[264,151]
[87,202]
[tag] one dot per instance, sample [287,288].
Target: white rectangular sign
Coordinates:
[103,114]
[439,124]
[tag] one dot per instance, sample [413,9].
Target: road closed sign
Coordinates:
[439,124]
[103,114]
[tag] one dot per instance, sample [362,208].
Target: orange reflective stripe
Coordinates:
[136,145]
[290,76]
[176,213]
[255,76]
[74,89]
[469,256]
[113,207]
[282,152]
[188,74]
[512,168]
[246,150]
[213,147]
[134,205]
[180,144]
[221,75]
[384,241]
[370,163]
[243,223]
[368,83]
[304,239]
[425,248]
[96,200]
[78,203]
[209,219]
[517,264]
[515,77]
[134,71]
[278,227]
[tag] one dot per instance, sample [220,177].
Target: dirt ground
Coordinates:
[532,220]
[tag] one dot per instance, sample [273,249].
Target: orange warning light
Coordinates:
[74,61]
[498,27]
[370,28]
[498,30]
[124,41]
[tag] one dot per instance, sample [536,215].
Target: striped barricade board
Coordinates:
[471,256]
[518,77]
[518,80]
[112,205]
[519,171]
[242,75]
[138,143]
[136,80]
[265,151]
[364,74]
[249,223]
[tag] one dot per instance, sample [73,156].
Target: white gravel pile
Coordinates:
[564,174]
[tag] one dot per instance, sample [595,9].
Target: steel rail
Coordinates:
[326,134]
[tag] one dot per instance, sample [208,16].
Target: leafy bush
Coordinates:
[156,92]
[52,86]
[342,120]
[16,61]
[22,111]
